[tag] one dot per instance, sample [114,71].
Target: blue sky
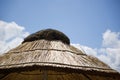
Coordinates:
[83,21]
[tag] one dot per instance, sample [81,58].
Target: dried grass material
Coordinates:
[51,53]
[48,34]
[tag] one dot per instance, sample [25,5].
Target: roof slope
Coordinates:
[51,53]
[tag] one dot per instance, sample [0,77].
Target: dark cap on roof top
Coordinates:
[48,34]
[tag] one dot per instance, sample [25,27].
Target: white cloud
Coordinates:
[86,49]
[110,50]
[111,39]
[11,35]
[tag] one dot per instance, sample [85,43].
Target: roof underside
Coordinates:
[54,75]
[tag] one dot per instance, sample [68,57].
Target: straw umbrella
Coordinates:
[48,55]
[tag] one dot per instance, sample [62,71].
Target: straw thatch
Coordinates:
[48,34]
[46,59]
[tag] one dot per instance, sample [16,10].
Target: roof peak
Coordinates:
[48,34]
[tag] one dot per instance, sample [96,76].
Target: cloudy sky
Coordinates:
[93,25]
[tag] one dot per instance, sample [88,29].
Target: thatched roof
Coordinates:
[49,50]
